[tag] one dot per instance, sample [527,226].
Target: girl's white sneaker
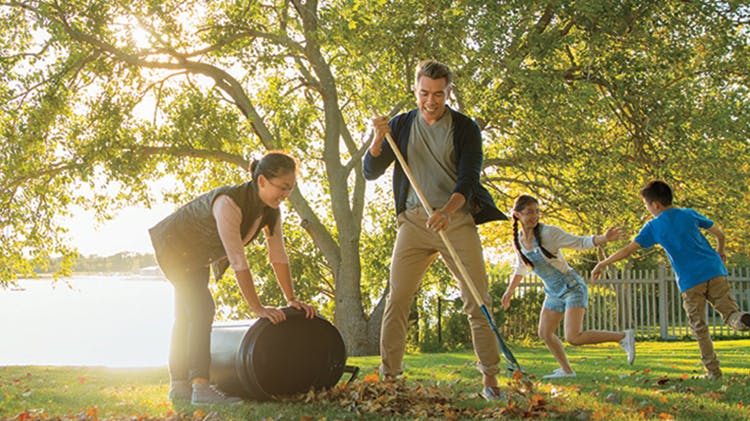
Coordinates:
[628,344]
[559,374]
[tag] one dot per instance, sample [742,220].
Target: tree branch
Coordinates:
[242,33]
[219,156]
[223,79]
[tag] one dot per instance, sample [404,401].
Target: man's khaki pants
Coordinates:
[416,248]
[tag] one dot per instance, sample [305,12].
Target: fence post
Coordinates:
[440,320]
[663,296]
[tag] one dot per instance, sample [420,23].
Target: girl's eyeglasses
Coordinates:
[285,189]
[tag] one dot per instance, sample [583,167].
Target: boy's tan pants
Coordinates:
[717,292]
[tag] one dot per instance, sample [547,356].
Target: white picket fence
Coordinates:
[647,301]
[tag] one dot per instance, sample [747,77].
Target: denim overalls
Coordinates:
[561,289]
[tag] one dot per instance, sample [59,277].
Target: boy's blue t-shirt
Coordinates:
[678,231]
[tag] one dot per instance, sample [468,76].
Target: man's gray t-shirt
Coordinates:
[432,161]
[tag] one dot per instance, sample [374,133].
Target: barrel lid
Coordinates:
[295,355]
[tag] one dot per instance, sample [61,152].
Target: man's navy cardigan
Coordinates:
[467,144]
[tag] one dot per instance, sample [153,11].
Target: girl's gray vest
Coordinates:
[189,238]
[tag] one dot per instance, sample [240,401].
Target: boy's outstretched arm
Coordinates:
[720,240]
[617,256]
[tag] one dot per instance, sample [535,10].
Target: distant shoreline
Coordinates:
[120,264]
[123,275]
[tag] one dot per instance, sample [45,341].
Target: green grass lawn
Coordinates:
[660,385]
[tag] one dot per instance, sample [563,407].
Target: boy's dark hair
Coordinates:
[434,70]
[657,190]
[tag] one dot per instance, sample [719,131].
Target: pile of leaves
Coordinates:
[432,401]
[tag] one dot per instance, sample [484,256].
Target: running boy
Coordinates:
[699,269]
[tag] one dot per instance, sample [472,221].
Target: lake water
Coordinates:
[115,321]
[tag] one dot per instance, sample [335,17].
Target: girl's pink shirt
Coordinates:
[228,217]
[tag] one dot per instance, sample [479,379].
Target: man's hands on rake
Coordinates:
[438,221]
[380,127]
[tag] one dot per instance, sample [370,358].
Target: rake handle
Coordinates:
[514,365]
[448,245]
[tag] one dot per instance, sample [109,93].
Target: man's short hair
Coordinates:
[434,70]
[657,190]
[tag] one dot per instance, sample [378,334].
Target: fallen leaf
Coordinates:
[714,395]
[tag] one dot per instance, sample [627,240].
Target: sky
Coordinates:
[127,232]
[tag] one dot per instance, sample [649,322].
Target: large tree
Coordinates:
[218,80]
[580,102]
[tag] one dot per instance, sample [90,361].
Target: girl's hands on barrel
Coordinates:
[275,315]
[309,310]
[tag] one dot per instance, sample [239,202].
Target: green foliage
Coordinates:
[522,317]
[580,104]
[377,245]
[455,333]
[607,97]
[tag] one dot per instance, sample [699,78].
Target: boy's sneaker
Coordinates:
[210,394]
[745,320]
[628,344]
[712,375]
[491,393]
[559,374]
[180,390]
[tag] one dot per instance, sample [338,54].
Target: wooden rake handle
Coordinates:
[448,245]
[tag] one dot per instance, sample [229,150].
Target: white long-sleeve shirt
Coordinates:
[554,239]
[228,217]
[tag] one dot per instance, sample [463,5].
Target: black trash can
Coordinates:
[259,360]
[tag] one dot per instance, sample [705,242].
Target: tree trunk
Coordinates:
[361,333]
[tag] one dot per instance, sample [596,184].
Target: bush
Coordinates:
[520,320]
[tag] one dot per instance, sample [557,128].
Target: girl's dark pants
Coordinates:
[194,310]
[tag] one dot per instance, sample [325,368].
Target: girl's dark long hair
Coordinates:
[273,164]
[518,206]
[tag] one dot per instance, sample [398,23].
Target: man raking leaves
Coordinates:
[443,149]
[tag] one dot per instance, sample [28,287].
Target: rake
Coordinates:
[510,359]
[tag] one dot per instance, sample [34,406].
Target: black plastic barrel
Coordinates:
[259,360]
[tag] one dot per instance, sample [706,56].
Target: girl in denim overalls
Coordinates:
[566,296]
